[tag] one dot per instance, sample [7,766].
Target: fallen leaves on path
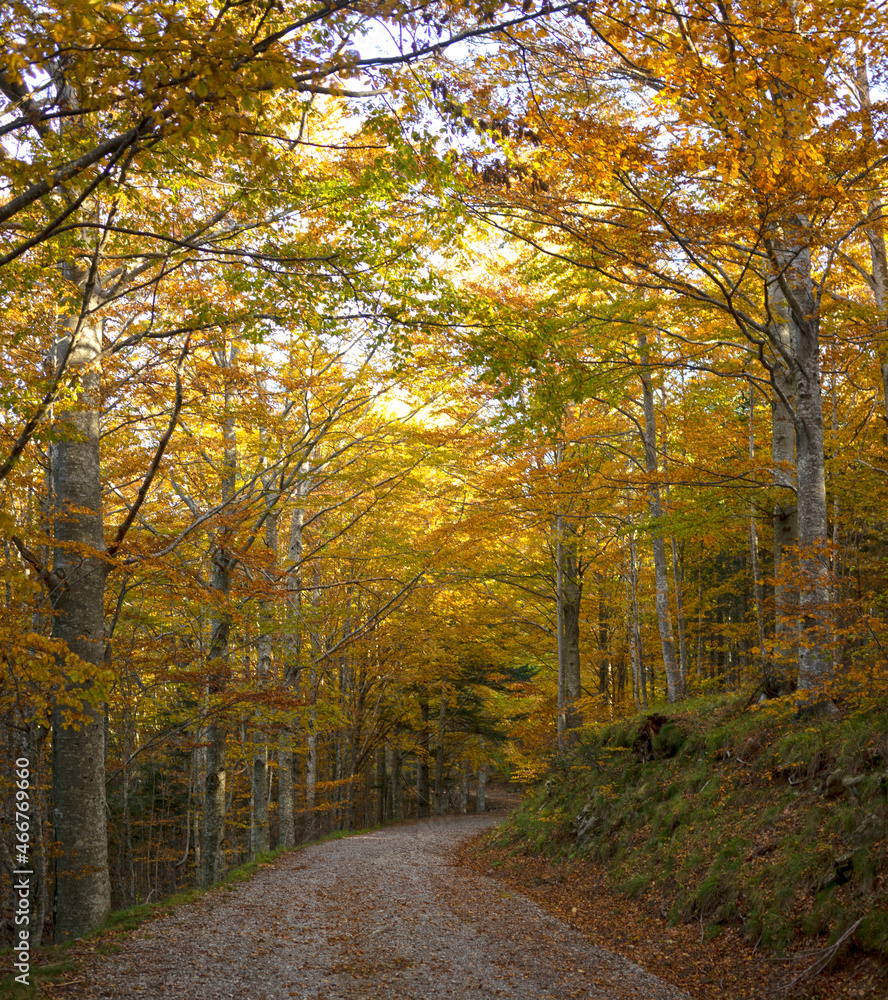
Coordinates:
[726,968]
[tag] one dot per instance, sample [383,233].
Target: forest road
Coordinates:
[386,914]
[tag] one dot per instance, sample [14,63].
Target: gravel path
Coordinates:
[383,915]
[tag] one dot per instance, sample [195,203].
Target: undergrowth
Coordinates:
[718,813]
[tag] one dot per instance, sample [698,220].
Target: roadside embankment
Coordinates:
[709,829]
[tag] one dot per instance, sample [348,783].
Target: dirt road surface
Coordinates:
[386,915]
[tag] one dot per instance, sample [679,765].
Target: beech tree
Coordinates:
[728,193]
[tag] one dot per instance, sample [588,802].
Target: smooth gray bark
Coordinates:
[792,260]
[559,630]
[753,542]
[311,736]
[440,790]
[678,579]
[82,884]
[292,668]
[481,803]
[571,594]
[381,784]
[604,663]
[28,744]
[260,778]
[675,686]
[34,747]
[311,772]
[787,237]
[783,455]
[677,576]
[422,756]
[212,853]
[638,683]
[397,792]
[260,773]
[286,797]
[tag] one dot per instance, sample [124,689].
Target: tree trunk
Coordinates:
[568,593]
[753,542]
[291,672]
[82,886]
[678,578]
[604,665]
[638,683]
[352,733]
[311,769]
[440,791]
[213,853]
[311,739]
[675,688]
[35,750]
[571,590]
[797,301]
[28,745]
[397,796]
[677,574]
[815,597]
[785,509]
[422,757]
[381,784]
[259,831]
[259,837]
[286,798]
[559,630]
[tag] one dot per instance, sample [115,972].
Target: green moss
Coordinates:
[729,821]
[776,932]
[716,739]
[621,736]
[46,973]
[873,931]
[635,887]
[669,741]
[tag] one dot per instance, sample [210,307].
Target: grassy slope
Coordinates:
[728,816]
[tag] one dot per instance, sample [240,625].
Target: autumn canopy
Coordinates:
[391,391]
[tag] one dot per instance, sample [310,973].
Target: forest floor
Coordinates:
[387,914]
[728,968]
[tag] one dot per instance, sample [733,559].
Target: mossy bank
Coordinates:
[726,814]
